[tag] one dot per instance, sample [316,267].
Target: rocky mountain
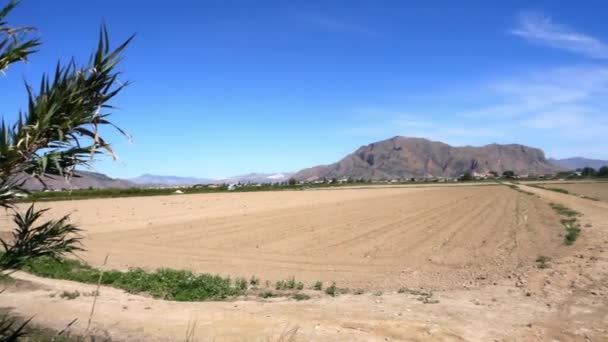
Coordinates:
[578,163]
[85,180]
[404,157]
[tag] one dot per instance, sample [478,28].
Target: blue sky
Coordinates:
[228,87]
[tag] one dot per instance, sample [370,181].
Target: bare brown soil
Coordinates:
[596,190]
[475,246]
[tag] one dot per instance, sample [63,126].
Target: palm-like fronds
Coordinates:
[51,238]
[58,132]
[10,331]
[60,129]
[14,46]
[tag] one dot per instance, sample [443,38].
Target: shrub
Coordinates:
[289,284]
[241,283]
[508,174]
[332,290]
[267,294]
[571,235]
[467,176]
[69,295]
[300,296]
[543,261]
[318,286]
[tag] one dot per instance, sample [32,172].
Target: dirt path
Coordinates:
[486,296]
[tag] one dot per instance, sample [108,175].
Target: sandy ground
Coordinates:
[436,237]
[475,245]
[597,191]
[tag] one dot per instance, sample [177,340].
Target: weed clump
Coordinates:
[254,282]
[571,224]
[332,290]
[69,295]
[267,294]
[543,261]
[423,296]
[563,210]
[300,296]
[163,283]
[318,286]
[289,284]
[241,283]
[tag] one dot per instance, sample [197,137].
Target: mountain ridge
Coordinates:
[404,157]
[578,163]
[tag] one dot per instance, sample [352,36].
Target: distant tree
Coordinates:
[588,172]
[58,132]
[292,181]
[508,174]
[466,177]
[603,171]
[334,180]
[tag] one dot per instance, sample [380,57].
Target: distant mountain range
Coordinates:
[578,163]
[404,157]
[395,158]
[148,179]
[156,180]
[85,180]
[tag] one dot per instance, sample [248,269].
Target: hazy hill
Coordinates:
[578,163]
[148,179]
[157,180]
[86,180]
[259,178]
[403,157]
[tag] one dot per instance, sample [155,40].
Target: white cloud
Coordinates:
[566,118]
[563,93]
[540,29]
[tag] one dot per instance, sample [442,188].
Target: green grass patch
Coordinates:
[563,210]
[572,233]
[289,284]
[518,189]
[163,283]
[560,190]
[571,224]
